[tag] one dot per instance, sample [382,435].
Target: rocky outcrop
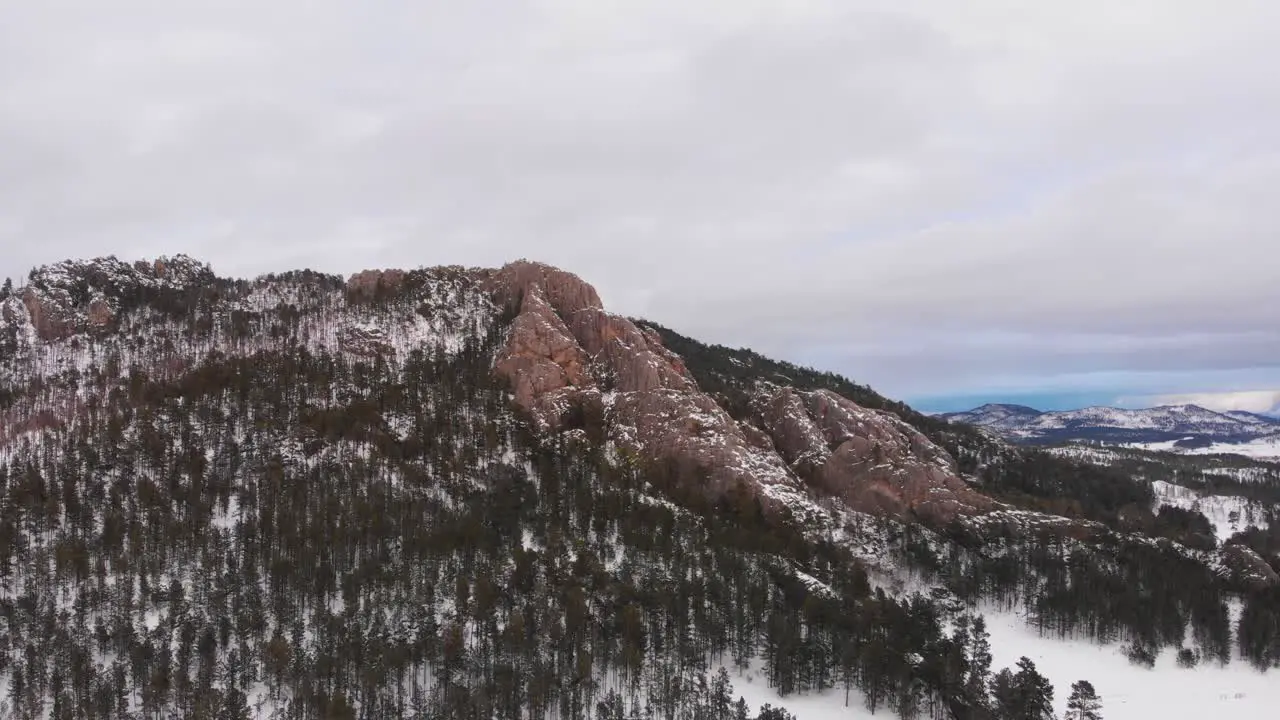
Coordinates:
[566,358]
[566,353]
[177,270]
[567,293]
[692,436]
[1248,568]
[654,343]
[871,459]
[562,338]
[56,316]
[364,341]
[366,285]
[52,319]
[77,296]
[543,362]
[100,313]
[1006,523]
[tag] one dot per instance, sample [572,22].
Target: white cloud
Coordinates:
[1255,401]
[931,196]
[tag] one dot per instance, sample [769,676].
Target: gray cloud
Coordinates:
[930,196]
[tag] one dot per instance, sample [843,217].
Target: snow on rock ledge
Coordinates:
[77,296]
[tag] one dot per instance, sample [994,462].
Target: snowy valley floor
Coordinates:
[753,687]
[1129,692]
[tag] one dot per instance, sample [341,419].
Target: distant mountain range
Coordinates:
[1185,426]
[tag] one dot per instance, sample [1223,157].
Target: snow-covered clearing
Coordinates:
[1267,448]
[1130,692]
[1228,514]
[752,685]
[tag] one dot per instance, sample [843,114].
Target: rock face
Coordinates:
[1248,567]
[565,292]
[567,355]
[564,348]
[871,459]
[52,317]
[84,295]
[100,313]
[366,284]
[546,367]
[364,341]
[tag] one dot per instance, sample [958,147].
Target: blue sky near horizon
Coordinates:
[1039,401]
[1262,402]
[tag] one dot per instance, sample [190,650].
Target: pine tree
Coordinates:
[1034,692]
[1025,695]
[1084,703]
[978,654]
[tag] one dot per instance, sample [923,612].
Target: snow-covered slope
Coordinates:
[1171,418]
[997,416]
[1263,448]
[1254,417]
[1131,692]
[1228,514]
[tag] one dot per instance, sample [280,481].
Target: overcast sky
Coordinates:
[1062,202]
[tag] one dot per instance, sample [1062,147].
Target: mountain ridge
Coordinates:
[1156,424]
[470,488]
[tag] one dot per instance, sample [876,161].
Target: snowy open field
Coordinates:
[1267,448]
[753,687]
[1129,692]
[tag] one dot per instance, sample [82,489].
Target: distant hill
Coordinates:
[1190,425]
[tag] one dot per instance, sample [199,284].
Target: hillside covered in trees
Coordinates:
[300,497]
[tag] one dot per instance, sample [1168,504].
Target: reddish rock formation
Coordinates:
[100,313]
[565,352]
[563,338]
[655,345]
[871,459]
[50,321]
[701,443]
[365,284]
[567,293]
[756,437]
[541,359]
[58,304]
[595,329]
[639,369]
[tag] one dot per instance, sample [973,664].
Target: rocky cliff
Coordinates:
[570,361]
[870,459]
[567,357]
[84,296]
